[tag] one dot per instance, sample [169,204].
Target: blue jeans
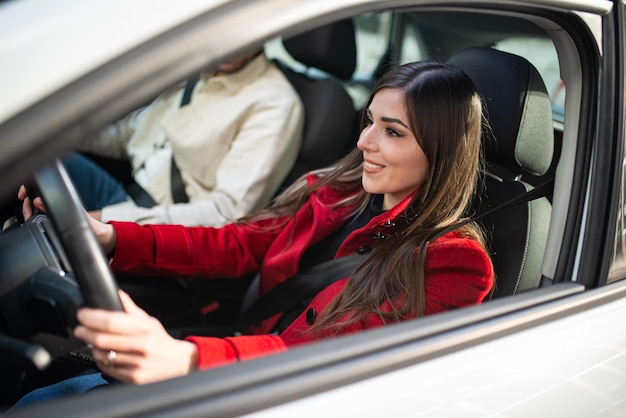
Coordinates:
[72,386]
[96,187]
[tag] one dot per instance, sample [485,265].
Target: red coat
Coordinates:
[458,271]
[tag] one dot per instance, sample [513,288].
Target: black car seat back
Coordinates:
[330,116]
[518,141]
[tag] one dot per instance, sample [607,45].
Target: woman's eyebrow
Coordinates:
[393,120]
[387,119]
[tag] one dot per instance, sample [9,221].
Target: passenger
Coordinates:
[413,174]
[234,144]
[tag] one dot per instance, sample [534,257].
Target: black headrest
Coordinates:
[518,108]
[330,48]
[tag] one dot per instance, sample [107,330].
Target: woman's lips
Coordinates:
[372,168]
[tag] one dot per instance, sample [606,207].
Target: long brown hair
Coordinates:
[445,115]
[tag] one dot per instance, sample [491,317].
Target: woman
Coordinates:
[412,175]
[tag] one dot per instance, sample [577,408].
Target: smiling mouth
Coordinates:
[368,166]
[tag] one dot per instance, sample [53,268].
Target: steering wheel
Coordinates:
[91,268]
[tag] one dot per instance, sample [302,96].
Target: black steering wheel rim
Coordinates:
[64,208]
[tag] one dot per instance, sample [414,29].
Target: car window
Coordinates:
[372,38]
[542,54]
[372,32]
[411,48]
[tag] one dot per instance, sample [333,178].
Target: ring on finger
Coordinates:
[111,356]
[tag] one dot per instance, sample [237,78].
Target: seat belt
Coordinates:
[530,195]
[288,294]
[139,195]
[143,198]
[178,187]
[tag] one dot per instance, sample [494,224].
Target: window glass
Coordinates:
[372,39]
[542,54]
[274,49]
[411,48]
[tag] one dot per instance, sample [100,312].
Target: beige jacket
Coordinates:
[234,144]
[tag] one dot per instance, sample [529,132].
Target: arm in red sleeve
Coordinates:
[174,250]
[215,352]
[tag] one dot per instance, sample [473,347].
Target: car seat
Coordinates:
[519,141]
[329,56]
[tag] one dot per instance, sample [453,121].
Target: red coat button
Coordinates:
[310,316]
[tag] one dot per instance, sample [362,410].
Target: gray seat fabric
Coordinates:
[330,116]
[520,141]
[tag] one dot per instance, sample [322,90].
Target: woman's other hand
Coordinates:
[104,232]
[28,206]
[132,346]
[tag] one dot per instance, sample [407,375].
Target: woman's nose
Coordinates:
[366,140]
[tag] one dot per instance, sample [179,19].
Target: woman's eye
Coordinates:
[392,132]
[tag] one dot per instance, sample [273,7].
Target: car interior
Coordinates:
[522,143]
[519,143]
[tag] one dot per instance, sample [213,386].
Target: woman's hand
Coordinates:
[132,346]
[104,232]
[28,206]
